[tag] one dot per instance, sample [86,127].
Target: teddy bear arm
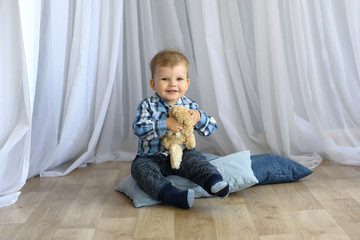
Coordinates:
[190,141]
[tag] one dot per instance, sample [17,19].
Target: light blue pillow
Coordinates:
[235,169]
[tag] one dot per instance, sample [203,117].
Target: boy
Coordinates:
[169,70]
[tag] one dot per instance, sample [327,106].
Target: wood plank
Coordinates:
[288,236]
[233,221]
[296,196]
[233,199]
[48,215]
[38,184]
[318,224]
[87,208]
[155,222]
[8,231]
[340,171]
[350,187]
[119,206]
[22,209]
[73,234]
[115,228]
[267,211]
[346,213]
[326,189]
[197,222]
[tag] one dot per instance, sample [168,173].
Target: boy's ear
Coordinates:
[152,84]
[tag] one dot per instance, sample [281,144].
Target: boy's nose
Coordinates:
[172,82]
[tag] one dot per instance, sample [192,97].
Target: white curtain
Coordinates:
[15,116]
[279,76]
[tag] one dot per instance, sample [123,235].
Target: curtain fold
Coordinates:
[88,72]
[279,76]
[15,110]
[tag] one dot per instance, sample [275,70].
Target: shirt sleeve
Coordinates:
[207,124]
[145,126]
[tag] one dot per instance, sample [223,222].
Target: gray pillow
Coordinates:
[235,168]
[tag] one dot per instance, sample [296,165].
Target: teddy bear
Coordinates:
[174,141]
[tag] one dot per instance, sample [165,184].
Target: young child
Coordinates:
[169,70]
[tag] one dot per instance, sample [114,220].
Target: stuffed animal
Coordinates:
[174,142]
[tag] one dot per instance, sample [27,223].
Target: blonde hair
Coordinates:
[168,57]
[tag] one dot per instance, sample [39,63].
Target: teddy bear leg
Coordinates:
[175,156]
[190,141]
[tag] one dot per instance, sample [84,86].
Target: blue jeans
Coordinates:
[150,172]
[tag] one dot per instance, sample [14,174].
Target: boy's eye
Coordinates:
[164,79]
[179,79]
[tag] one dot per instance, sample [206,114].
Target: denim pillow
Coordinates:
[272,168]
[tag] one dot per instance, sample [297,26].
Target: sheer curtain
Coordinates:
[279,76]
[15,115]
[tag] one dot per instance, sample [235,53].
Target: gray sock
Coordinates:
[220,189]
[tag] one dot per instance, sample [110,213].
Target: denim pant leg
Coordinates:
[150,172]
[198,169]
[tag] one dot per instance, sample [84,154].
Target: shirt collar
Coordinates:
[157,98]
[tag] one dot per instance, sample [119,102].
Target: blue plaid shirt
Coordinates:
[150,123]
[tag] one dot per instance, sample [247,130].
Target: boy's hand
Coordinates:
[195,116]
[173,125]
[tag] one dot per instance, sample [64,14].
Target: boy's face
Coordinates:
[170,83]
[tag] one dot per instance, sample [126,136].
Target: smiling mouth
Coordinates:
[172,91]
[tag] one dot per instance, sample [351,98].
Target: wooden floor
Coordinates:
[84,205]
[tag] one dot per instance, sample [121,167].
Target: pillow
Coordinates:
[235,169]
[210,156]
[272,168]
[129,187]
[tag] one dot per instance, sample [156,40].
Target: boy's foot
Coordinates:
[220,189]
[182,199]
